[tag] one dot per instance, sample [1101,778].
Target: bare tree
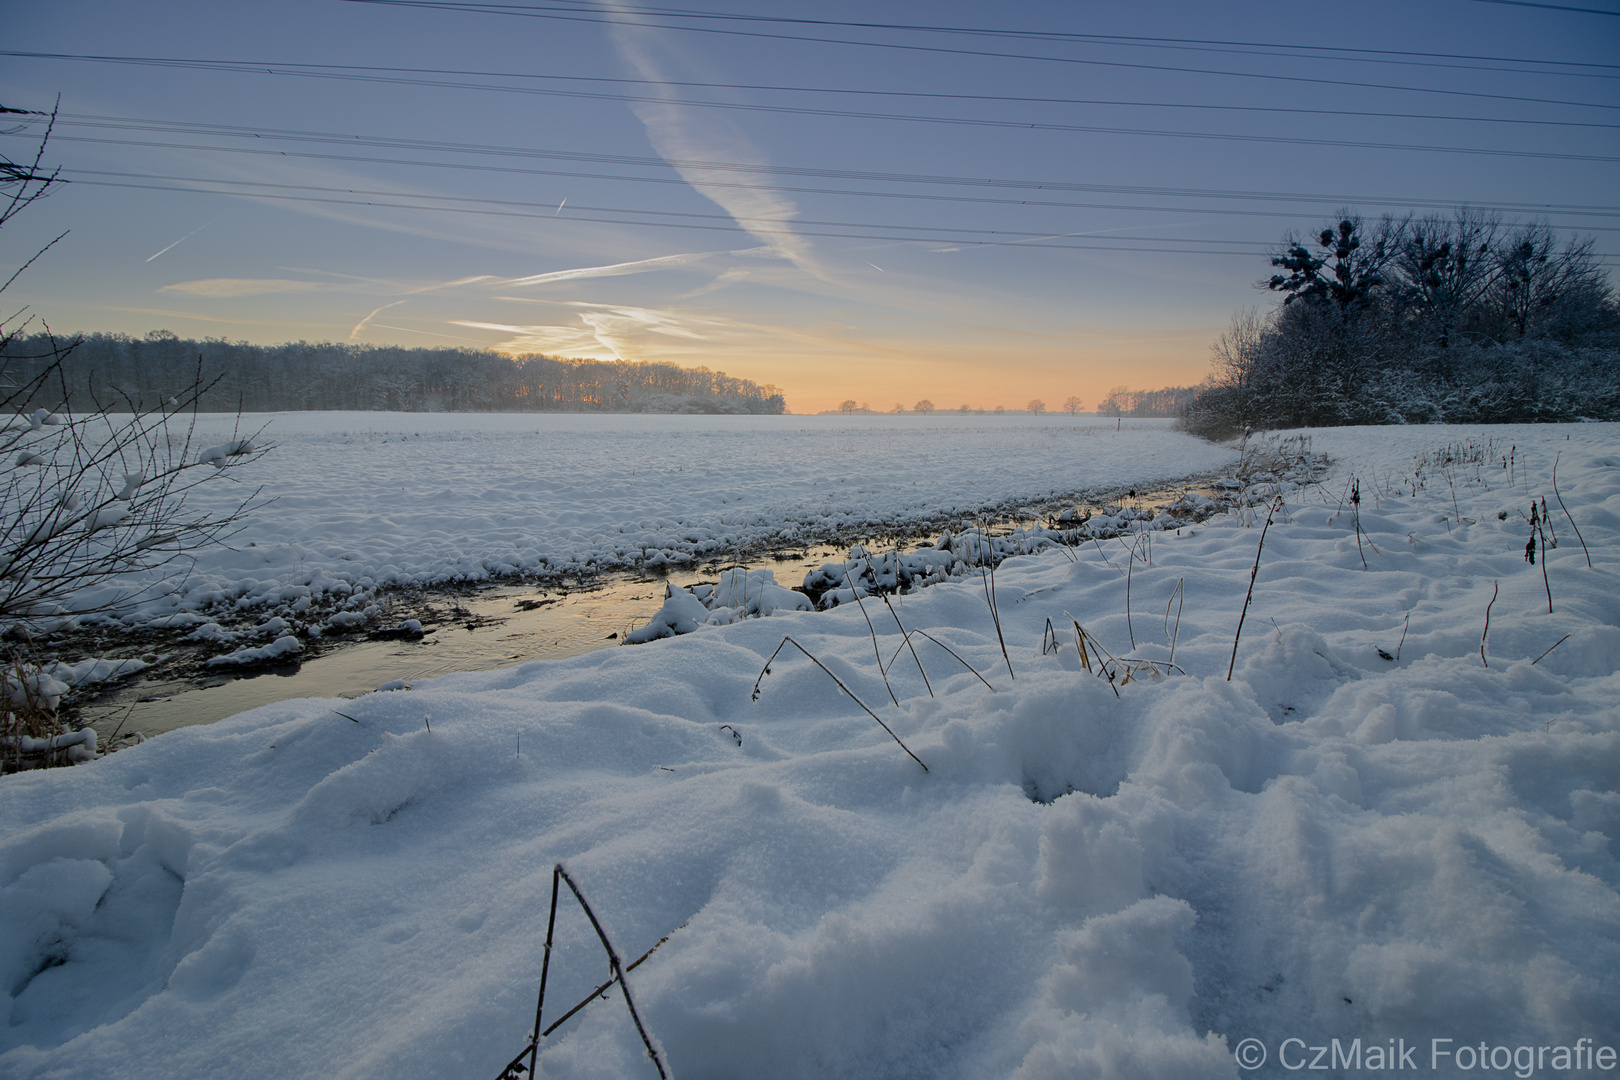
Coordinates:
[1119,401]
[924,406]
[847,405]
[1236,353]
[1036,405]
[1073,405]
[88,495]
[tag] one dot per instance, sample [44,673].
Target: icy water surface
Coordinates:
[490,628]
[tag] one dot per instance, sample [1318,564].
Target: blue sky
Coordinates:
[971,203]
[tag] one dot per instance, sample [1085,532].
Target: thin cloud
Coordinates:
[612,331]
[241,286]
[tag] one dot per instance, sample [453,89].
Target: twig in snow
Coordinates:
[1355,502]
[1530,550]
[516,1069]
[1554,645]
[1494,587]
[1404,627]
[786,640]
[1565,509]
[1252,575]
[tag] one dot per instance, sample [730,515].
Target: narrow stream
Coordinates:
[491,628]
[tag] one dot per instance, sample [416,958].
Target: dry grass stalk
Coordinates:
[1179,595]
[906,643]
[787,640]
[1129,629]
[1495,587]
[1277,502]
[964,663]
[882,671]
[987,572]
[1565,509]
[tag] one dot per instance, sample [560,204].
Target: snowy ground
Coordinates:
[1332,845]
[363,500]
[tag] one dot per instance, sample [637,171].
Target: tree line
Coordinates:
[1170,401]
[1460,318]
[114,371]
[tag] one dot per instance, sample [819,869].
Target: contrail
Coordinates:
[361,325]
[188,236]
[677,133]
[639,266]
[560,206]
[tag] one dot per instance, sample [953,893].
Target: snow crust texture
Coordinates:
[1089,880]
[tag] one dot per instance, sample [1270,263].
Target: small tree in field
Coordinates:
[1036,405]
[1073,405]
[924,406]
[847,405]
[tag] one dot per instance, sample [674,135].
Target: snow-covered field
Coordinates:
[363,500]
[1331,845]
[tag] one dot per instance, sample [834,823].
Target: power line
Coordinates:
[1021,239]
[1330,52]
[578,15]
[121,123]
[742,220]
[1255,249]
[1044,204]
[742,168]
[399,76]
[1549,7]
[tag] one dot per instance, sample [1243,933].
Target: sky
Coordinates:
[963,202]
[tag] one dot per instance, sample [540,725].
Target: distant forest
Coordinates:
[114,370]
